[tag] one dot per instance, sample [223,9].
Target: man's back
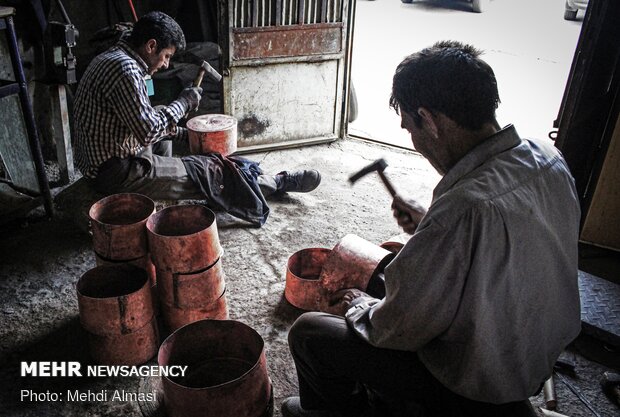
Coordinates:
[488,283]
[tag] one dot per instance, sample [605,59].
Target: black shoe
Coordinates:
[298,181]
[291,407]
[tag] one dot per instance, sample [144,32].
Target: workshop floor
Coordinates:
[40,262]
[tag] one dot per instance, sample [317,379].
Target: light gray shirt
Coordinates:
[486,289]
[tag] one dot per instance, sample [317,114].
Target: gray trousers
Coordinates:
[337,370]
[155,173]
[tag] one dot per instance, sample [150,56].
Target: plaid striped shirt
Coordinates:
[112,111]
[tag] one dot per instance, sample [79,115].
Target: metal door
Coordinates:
[284,66]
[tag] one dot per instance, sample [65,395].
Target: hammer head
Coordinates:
[206,68]
[379,165]
[210,71]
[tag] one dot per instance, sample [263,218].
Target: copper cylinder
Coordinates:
[118,225]
[176,317]
[114,299]
[212,133]
[116,310]
[133,348]
[303,269]
[226,375]
[191,290]
[352,263]
[183,239]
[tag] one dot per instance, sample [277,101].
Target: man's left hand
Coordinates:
[343,299]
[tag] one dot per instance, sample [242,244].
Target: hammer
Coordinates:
[379,166]
[206,68]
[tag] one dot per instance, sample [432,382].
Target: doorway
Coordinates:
[528,43]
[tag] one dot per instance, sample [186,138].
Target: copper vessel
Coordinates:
[183,238]
[117,312]
[303,289]
[314,275]
[114,299]
[118,225]
[352,263]
[212,133]
[226,375]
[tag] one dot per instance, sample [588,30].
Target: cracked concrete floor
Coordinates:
[42,260]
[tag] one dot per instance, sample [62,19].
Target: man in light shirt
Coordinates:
[483,298]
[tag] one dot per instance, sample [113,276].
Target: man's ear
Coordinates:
[151,46]
[429,120]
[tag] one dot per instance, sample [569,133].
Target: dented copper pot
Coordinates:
[183,238]
[352,263]
[226,375]
[118,225]
[314,275]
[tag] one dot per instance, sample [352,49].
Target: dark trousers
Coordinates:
[158,175]
[337,370]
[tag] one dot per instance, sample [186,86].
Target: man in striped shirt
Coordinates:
[123,144]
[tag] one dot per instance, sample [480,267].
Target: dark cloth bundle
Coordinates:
[230,184]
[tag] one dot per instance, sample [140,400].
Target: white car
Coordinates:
[477,6]
[572,7]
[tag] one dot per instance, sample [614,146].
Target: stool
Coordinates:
[19,87]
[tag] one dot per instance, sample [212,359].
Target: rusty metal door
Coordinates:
[285,65]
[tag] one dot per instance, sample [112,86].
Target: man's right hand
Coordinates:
[408,213]
[192,95]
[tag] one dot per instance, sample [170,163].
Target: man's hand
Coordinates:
[342,299]
[192,95]
[408,213]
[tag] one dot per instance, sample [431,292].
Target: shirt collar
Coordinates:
[132,53]
[495,144]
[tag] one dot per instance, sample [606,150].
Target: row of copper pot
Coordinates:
[180,239]
[226,366]
[177,249]
[226,370]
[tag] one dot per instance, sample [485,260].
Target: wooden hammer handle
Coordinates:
[199,76]
[387,183]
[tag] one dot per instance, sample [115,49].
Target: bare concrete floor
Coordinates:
[40,263]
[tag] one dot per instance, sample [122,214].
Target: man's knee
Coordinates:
[312,330]
[304,326]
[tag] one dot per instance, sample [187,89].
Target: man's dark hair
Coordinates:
[159,26]
[450,78]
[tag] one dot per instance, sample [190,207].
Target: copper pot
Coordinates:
[303,289]
[212,133]
[118,224]
[183,238]
[226,375]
